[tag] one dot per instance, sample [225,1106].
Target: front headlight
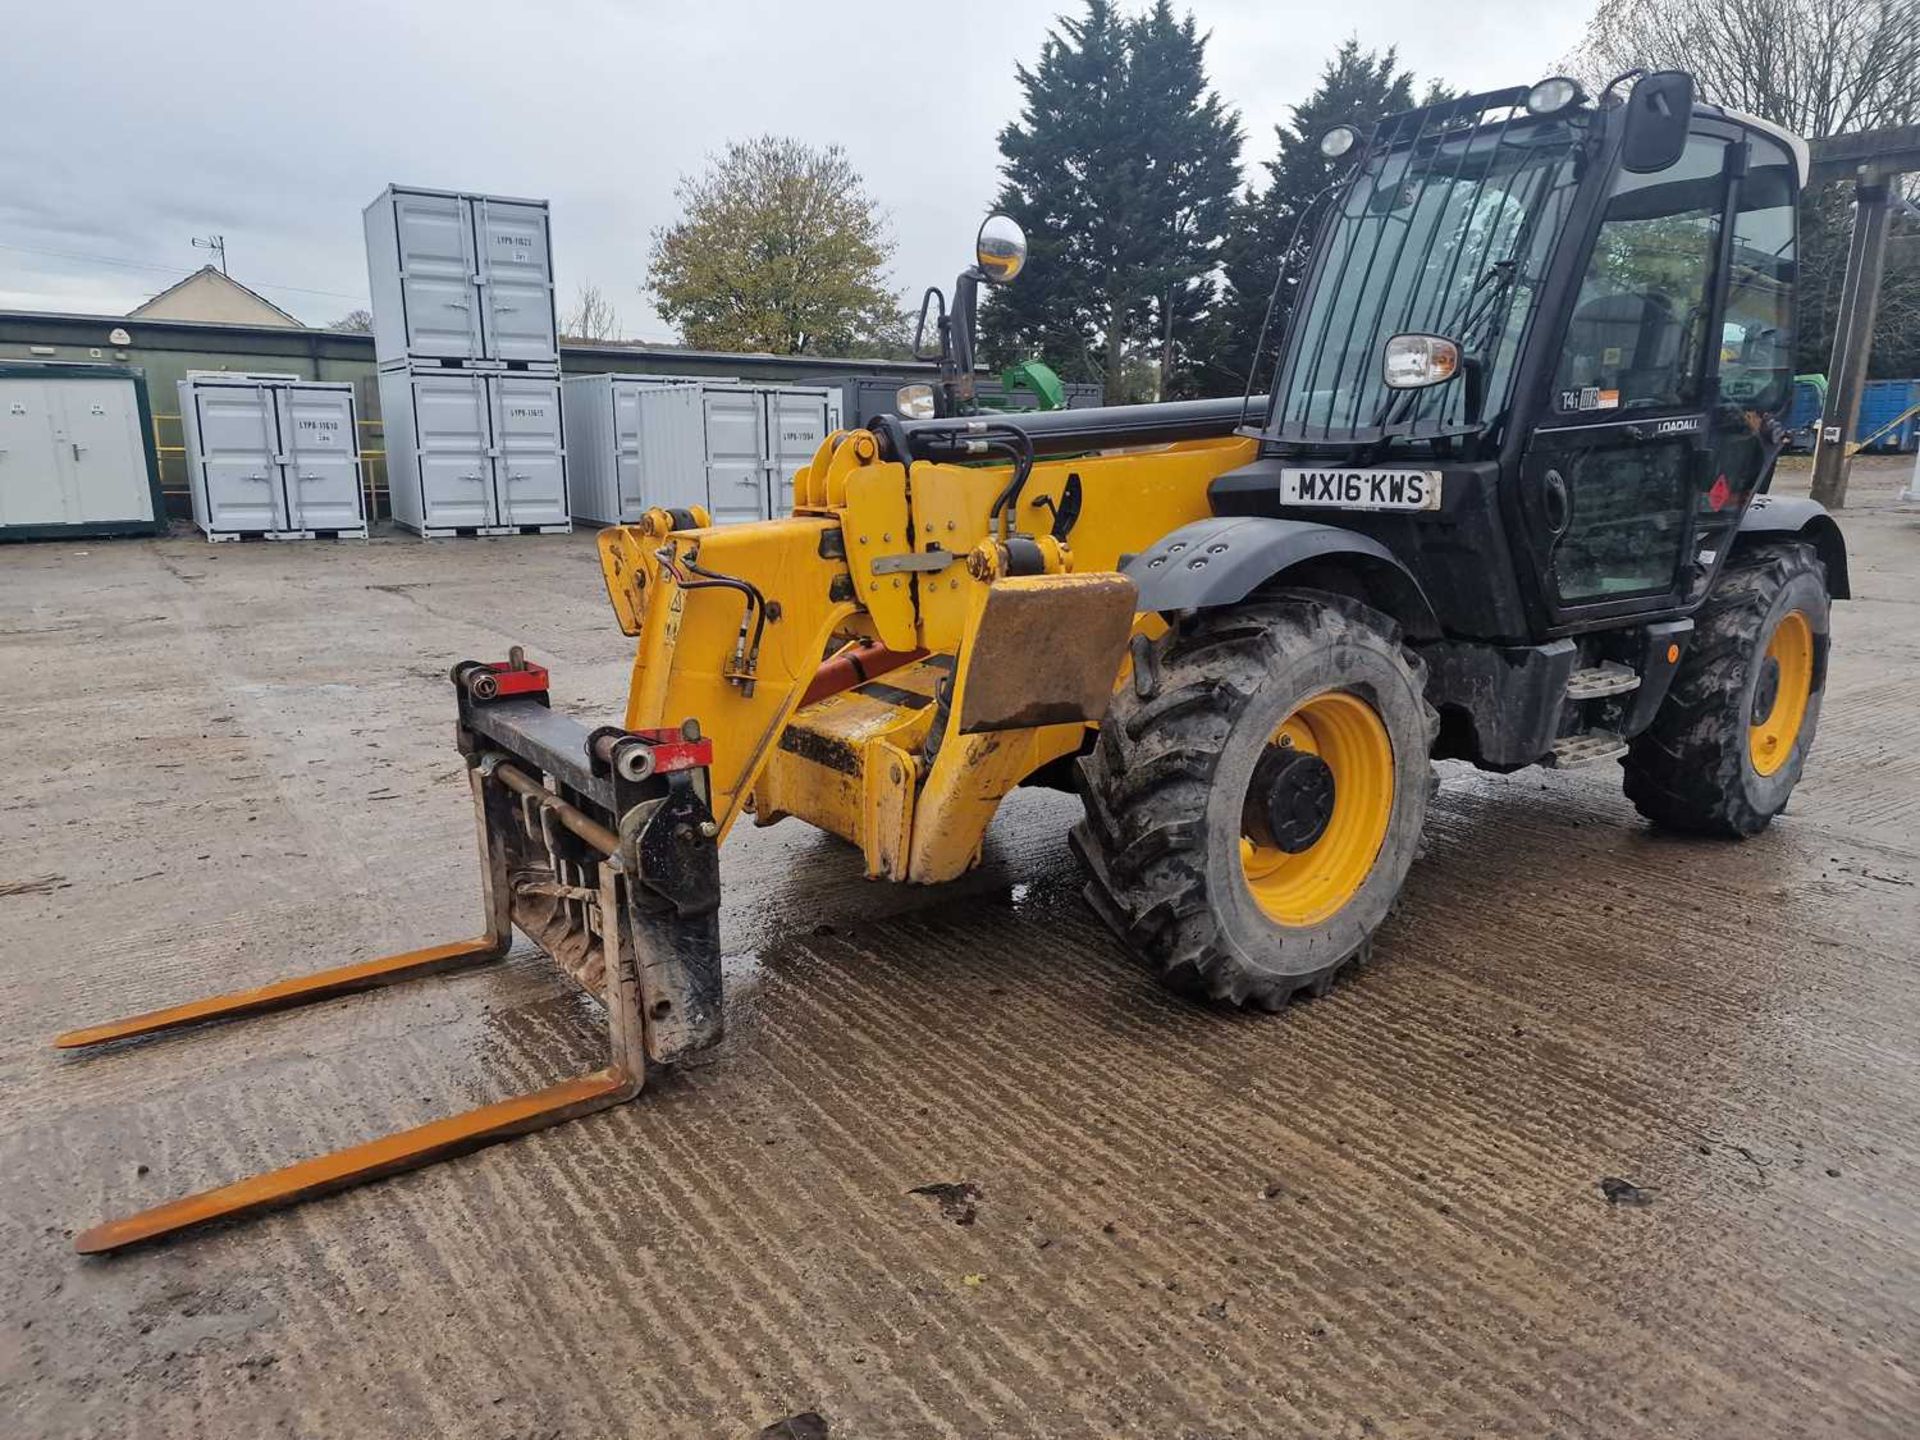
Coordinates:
[1413,362]
[1339,141]
[915,402]
[1552,95]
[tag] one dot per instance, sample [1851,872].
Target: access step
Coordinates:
[1570,752]
[1598,681]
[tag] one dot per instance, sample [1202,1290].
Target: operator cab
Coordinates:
[1539,351]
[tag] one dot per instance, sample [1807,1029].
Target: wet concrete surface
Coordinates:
[1380,1213]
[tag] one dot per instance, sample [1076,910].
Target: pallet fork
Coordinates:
[611,866]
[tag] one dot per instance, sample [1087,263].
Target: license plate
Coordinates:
[1362,489]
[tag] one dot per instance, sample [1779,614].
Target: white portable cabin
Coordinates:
[272,456]
[732,446]
[474,452]
[76,452]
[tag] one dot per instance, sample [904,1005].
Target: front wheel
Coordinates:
[1256,796]
[1727,746]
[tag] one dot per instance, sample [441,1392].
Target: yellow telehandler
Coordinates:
[1504,501]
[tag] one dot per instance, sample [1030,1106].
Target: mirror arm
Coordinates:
[956,358]
[1474,377]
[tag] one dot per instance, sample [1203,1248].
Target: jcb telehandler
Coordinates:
[1503,501]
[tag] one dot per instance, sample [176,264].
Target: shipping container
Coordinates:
[1882,404]
[76,453]
[272,456]
[474,453]
[461,279]
[732,448]
[603,444]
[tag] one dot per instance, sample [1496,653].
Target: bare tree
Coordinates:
[1818,67]
[354,322]
[592,317]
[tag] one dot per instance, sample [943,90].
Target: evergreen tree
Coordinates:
[1122,169]
[1357,87]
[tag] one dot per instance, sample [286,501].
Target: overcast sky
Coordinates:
[129,128]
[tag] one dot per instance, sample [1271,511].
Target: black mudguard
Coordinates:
[1224,558]
[1782,517]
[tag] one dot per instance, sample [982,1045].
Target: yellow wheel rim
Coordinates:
[1788,675]
[1305,887]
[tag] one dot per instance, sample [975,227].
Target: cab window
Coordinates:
[1635,340]
[1756,341]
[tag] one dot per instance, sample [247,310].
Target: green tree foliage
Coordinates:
[779,249]
[1817,67]
[1357,87]
[1122,169]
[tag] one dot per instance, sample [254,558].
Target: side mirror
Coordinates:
[933,304]
[1659,111]
[1000,249]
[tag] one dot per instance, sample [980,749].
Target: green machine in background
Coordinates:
[1035,378]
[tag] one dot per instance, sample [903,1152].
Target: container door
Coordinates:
[516,281]
[532,483]
[99,440]
[239,446]
[436,276]
[797,425]
[629,492]
[32,480]
[451,428]
[736,455]
[323,477]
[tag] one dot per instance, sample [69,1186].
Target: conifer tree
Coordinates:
[1122,170]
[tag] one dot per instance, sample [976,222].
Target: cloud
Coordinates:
[275,124]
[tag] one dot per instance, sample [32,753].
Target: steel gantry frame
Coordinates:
[1874,160]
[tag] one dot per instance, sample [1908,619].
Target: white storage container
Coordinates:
[603,444]
[472,452]
[461,279]
[728,445]
[272,456]
[76,453]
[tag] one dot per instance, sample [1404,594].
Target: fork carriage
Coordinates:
[609,863]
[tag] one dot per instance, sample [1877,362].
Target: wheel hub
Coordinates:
[1766,692]
[1290,800]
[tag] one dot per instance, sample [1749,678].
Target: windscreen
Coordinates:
[1446,229]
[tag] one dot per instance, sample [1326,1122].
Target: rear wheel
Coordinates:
[1727,746]
[1256,795]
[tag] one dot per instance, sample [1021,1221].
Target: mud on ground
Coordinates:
[1379,1214]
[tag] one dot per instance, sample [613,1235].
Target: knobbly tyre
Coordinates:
[1504,501]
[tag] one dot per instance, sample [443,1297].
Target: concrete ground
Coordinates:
[1378,1214]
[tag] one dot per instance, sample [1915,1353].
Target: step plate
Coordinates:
[1601,681]
[1573,751]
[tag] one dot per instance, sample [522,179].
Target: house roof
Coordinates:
[214,276]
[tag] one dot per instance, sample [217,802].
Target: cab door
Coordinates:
[1614,471]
